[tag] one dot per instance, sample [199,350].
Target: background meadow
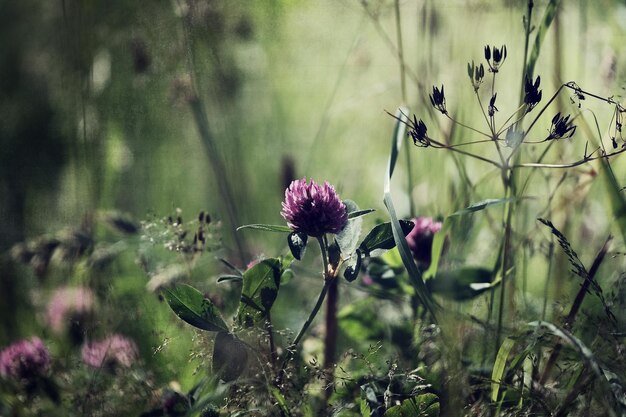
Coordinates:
[122,121]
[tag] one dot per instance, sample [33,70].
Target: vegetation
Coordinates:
[218,209]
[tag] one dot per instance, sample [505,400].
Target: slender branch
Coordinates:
[466,126]
[570,165]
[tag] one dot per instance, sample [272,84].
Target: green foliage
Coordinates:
[260,289]
[192,307]
[424,405]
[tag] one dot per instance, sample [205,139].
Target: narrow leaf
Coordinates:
[359,213]
[499,366]
[461,284]
[482,205]
[267,227]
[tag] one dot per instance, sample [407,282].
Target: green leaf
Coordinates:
[462,284]
[425,405]
[358,213]
[548,17]
[259,291]
[364,408]
[229,278]
[482,205]
[437,249]
[498,367]
[381,237]
[280,400]
[297,244]
[190,305]
[267,227]
[230,356]
[348,238]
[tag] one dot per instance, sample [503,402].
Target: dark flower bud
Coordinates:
[492,105]
[532,94]
[561,127]
[438,100]
[498,55]
[476,74]
[418,133]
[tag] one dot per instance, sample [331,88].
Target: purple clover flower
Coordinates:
[115,350]
[66,304]
[420,239]
[313,209]
[25,360]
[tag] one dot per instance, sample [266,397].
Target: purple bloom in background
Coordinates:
[420,239]
[68,304]
[314,209]
[25,360]
[115,350]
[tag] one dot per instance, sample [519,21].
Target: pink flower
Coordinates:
[115,350]
[25,360]
[313,209]
[420,239]
[66,303]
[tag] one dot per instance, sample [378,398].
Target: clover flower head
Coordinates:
[25,360]
[313,209]
[420,239]
[115,350]
[65,303]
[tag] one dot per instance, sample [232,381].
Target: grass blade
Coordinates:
[399,135]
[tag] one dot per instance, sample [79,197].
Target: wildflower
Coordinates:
[492,109]
[418,133]
[68,306]
[25,360]
[498,55]
[420,239]
[438,100]
[532,94]
[476,74]
[115,350]
[313,209]
[561,127]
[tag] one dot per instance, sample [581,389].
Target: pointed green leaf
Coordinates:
[482,205]
[381,237]
[359,213]
[190,305]
[267,227]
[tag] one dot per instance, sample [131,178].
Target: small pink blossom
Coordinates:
[66,302]
[25,360]
[111,351]
[420,239]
